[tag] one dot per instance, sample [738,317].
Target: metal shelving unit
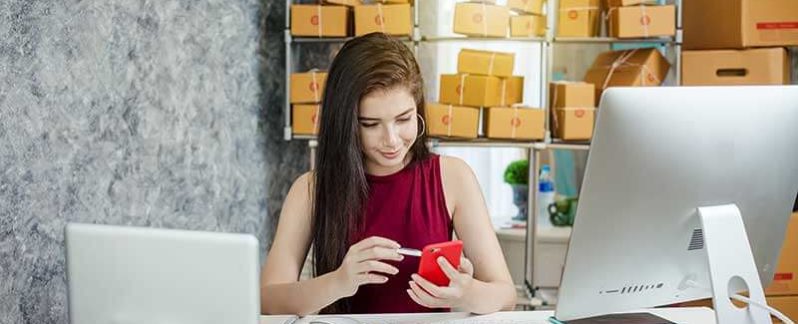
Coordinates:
[533,148]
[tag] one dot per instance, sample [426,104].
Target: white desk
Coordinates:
[682,315]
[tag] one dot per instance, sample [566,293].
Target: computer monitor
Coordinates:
[657,154]
[144,275]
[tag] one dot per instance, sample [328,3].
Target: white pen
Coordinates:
[409,252]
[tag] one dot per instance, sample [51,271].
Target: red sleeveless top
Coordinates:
[409,208]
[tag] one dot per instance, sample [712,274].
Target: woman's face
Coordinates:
[388,128]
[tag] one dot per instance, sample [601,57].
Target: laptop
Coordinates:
[119,274]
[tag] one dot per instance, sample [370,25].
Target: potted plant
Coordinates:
[517,176]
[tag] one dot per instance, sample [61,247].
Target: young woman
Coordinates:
[376,188]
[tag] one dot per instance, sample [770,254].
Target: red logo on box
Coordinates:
[645,20]
[314,118]
[782,276]
[314,20]
[650,77]
[515,122]
[313,86]
[572,14]
[778,25]
[579,113]
[379,20]
[458,89]
[445,119]
[477,18]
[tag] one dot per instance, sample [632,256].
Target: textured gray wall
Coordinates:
[159,113]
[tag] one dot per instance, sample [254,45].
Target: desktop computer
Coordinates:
[686,195]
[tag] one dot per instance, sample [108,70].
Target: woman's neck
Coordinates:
[378,170]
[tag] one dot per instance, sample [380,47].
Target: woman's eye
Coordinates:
[368,125]
[404,119]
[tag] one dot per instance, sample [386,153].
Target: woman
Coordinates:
[375,188]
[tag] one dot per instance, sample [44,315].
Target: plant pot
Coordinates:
[520,200]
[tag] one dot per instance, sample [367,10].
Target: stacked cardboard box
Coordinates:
[635,67]
[319,20]
[482,18]
[529,21]
[484,80]
[307,90]
[572,110]
[741,44]
[640,19]
[578,18]
[392,19]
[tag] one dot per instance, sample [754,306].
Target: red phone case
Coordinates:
[428,266]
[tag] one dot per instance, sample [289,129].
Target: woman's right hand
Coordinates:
[362,264]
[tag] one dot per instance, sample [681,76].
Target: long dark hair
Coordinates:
[364,64]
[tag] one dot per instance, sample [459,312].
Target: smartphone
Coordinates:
[428,266]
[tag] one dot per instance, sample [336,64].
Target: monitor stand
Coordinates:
[731,265]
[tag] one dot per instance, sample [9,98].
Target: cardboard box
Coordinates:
[319,21]
[485,63]
[519,123]
[511,91]
[451,121]
[733,67]
[470,90]
[394,19]
[305,119]
[573,123]
[785,279]
[528,26]
[578,18]
[787,305]
[626,3]
[572,94]
[728,24]
[635,67]
[307,87]
[642,21]
[350,3]
[480,19]
[534,7]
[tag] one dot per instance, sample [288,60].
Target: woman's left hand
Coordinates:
[427,294]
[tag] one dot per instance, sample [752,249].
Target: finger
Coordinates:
[374,241]
[415,298]
[466,266]
[371,278]
[433,289]
[425,297]
[376,266]
[378,253]
[448,269]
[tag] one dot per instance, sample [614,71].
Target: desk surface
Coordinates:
[685,315]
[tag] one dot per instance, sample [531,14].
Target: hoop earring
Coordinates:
[423,125]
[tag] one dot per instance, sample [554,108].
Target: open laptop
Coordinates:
[144,275]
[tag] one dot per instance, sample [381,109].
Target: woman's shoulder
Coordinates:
[304,183]
[454,166]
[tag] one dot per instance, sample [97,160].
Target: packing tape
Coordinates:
[381,17]
[451,120]
[462,87]
[318,14]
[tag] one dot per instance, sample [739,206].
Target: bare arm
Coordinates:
[282,293]
[493,288]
